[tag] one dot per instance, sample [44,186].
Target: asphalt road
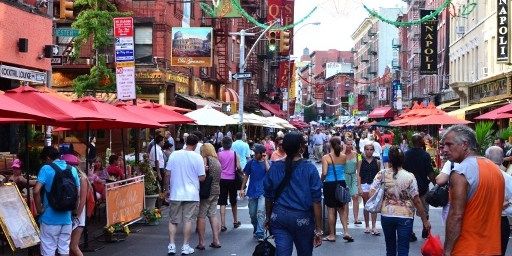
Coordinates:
[153,240]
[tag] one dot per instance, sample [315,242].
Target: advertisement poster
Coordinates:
[191,47]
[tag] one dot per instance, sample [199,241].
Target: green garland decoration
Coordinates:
[427,18]
[209,10]
[468,9]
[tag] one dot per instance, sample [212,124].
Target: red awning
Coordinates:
[273,108]
[382,112]
[499,113]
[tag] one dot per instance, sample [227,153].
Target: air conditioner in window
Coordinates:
[485,71]
[460,30]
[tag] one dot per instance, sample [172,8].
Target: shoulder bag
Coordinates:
[239,176]
[341,193]
[438,196]
[374,204]
[205,186]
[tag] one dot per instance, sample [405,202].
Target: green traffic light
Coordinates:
[271,47]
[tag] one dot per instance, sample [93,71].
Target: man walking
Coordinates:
[417,161]
[476,197]
[318,140]
[157,161]
[186,169]
[256,169]
[242,149]
[56,225]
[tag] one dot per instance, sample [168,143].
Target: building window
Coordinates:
[144,44]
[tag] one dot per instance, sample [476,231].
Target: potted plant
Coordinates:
[152,216]
[151,189]
[116,232]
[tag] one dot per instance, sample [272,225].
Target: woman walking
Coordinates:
[351,178]
[293,200]
[229,163]
[333,174]
[208,207]
[400,199]
[367,169]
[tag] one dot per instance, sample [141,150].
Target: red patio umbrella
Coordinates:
[55,108]
[14,111]
[442,119]
[179,118]
[499,113]
[144,103]
[121,118]
[153,115]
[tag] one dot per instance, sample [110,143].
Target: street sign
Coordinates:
[124,55]
[242,76]
[123,26]
[124,43]
[66,32]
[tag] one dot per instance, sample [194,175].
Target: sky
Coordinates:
[338,18]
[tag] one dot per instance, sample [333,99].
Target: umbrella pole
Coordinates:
[27,163]
[157,169]
[124,152]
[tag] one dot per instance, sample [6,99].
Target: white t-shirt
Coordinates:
[378,149]
[185,168]
[159,156]
[198,148]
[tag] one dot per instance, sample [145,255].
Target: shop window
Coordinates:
[144,44]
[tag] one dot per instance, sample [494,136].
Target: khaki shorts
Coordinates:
[208,207]
[183,211]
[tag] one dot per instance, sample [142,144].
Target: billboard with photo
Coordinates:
[191,47]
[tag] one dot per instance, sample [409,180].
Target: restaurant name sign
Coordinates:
[493,90]
[503,45]
[428,41]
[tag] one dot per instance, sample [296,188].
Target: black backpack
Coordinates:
[63,195]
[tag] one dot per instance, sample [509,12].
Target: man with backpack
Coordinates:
[57,186]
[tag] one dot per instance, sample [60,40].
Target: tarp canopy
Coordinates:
[382,112]
[499,113]
[208,116]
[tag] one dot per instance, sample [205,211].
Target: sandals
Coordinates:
[348,238]
[237,224]
[212,245]
[328,240]
[223,229]
[358,222]
[375,233]
[367,231]
[200,247]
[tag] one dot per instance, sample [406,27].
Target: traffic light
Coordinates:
[284,42]
[66,9]
[272,40]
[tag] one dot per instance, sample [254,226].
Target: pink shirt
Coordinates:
[227,162]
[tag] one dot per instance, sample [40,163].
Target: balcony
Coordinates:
[364,40]
[396,43]
[372,50]
[364,58]
[353,50]
[372,32]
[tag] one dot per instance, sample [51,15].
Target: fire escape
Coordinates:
[219,72]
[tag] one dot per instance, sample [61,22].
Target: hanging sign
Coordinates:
[382,94]
[283,75]
[428,40]
[191,47]
[503,50]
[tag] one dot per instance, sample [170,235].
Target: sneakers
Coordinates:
[171,249]
[186,250]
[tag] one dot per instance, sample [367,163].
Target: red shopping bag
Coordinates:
[432,246]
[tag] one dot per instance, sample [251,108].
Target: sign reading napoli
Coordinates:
[191,47]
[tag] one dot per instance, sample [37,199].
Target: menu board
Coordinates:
[16,220]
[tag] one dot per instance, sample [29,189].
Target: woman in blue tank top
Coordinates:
[333,173]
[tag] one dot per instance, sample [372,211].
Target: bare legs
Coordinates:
[234,211]
[201,225]
[75,241]
[343,215]
[366,215]
[355,207]
[187,230]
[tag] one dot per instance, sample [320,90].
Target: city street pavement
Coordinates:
[153,240]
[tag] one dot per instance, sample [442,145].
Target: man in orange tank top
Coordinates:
[476,197]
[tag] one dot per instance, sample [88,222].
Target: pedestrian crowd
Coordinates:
[287,193]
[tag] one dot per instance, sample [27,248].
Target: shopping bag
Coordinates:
[432,246]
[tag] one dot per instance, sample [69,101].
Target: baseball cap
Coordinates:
[16,164]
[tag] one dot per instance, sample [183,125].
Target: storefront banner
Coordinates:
[125,81]
[283,75]
[22,74]
[191,47]
[428,42]
[292,91]
[503,45]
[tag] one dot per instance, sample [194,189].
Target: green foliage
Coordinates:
[34,163]
[310,113]
[504,133]
[150,182]
[484,136]
[95,22]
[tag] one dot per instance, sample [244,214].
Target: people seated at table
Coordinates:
[17,176]
[114,169]
[98,176]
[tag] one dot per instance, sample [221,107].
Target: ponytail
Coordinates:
[336,145]
[396,158]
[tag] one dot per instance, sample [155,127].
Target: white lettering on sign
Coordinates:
[22,74]
[502,32]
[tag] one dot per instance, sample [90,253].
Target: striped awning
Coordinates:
[228,95]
